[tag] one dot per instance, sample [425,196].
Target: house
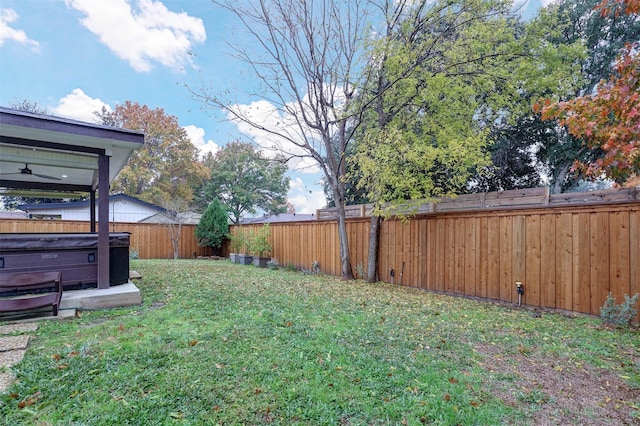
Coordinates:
[284,217]
[12,215]
[122,208]
[186,218]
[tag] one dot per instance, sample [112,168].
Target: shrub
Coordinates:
[214,225]
[237,242]
[133,254]
[619,315]
[259,242]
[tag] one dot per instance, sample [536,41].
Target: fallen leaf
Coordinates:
[452,380]
[447,397]
[218,365]
[193,342]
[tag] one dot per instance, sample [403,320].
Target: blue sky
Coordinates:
[76,56]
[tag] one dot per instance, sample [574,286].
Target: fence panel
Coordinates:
[567,257]
[149,240]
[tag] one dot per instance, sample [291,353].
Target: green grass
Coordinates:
[221,343]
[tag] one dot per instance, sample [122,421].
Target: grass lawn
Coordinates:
[217,343]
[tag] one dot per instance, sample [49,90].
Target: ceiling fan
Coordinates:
[27,171]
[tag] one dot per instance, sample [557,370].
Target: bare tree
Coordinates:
[177,215]
[318,64]
[308,71]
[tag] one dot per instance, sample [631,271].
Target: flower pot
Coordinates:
[261,262]
[235,257]
[245,259]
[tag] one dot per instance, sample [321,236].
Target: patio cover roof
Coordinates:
[57,154]
[62,154]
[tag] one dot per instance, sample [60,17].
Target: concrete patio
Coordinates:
[113,297]
[119,296]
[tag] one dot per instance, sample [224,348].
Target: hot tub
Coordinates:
[75,255]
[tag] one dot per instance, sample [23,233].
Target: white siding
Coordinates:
[119,211]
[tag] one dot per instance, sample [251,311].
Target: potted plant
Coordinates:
[236,242]
[245,258]
[261,247]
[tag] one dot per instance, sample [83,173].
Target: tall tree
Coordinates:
[435,68]
[244,181]
[167,166]
[604,33]
[609,120]
[307,64]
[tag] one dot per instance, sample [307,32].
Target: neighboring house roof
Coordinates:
[77,204]
[187,218]
[284,217]
[12,215]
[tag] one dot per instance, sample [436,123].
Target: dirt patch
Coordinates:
[563,392]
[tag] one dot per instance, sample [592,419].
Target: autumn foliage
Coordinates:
[616,7]
[608,120]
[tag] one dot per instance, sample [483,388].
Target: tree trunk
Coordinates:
[374,245]
[559,180]
[345,257]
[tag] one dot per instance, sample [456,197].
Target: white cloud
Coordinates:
[268,119]
[79,106]
[305,200]
[8,16]
[196,134]
[142,32]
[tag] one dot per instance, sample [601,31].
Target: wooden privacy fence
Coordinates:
[568,252]
[528,197]
[149,240]
[568,258]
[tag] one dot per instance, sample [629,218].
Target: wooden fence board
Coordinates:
[470,274]
[493,269]
[441,248]
[459,255]
[519,252]
[581,263]
[532,261]
[450,248]
[548,278]
[483,259]
[506,256]
[599,259]
[564,261]
[634,253]
[619,247]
